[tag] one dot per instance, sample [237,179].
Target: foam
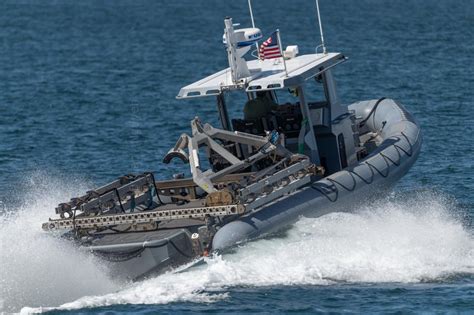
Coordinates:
[410,239]
[39,269]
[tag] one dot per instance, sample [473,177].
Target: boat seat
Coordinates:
[253,126]
[290,124]
[286,118]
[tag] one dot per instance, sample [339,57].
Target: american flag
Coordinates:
[270,48]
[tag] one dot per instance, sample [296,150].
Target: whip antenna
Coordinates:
[253,25]
[320,27]
[251,12]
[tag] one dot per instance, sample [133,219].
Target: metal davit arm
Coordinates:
[207,135]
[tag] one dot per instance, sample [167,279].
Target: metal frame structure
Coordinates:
[136,195]
[207,135]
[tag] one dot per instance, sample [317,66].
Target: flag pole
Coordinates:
[281,50]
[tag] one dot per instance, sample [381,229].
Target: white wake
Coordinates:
[36,268]
[399,241]
[414,238]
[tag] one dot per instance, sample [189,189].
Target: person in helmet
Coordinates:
[260,106]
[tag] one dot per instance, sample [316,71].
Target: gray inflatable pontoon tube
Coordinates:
[346,189]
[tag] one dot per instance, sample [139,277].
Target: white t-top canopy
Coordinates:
[265,75]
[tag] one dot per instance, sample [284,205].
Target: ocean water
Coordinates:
[87,93]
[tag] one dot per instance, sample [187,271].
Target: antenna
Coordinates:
[253,25]
[251,13]
[320,28]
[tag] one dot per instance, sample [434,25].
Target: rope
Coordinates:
[411,146]
[378,171]
[326,194]
[372,111]
[343,186]
[362,178]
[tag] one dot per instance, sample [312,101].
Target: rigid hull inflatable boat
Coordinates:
[254,175]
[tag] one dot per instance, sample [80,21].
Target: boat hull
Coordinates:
[346,189]
[137,255]
[133,256]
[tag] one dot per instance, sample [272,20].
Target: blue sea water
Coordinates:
[87,93]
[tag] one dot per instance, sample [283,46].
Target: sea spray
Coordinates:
[411,238]
[37,268]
